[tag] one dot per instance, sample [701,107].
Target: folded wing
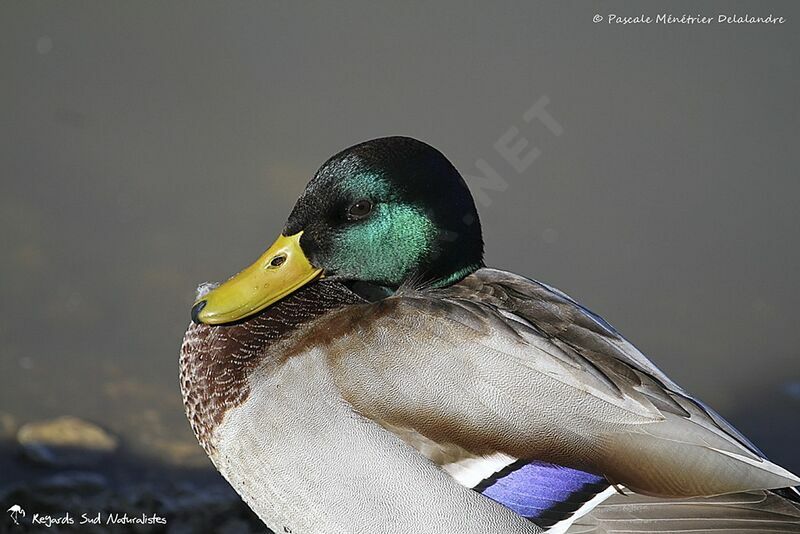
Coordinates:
[502,364]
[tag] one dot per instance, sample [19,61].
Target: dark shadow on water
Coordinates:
[188,499]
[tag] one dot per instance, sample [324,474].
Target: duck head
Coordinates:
[386,212]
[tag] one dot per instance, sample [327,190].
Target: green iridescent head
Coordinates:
[389,211]
[378,215]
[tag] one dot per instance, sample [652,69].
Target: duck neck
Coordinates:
[456,276]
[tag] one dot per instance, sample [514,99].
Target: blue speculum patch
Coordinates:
[542,492]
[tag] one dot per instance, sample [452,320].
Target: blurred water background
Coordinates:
[148,147]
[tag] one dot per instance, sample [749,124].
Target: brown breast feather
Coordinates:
[215,361]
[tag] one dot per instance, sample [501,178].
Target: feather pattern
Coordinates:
[557,385]
[494,371]
[754,512]
[544,493]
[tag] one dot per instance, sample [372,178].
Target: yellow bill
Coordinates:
[281,270]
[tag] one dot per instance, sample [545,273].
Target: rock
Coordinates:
[66,441]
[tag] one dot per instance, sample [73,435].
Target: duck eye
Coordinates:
[359,210]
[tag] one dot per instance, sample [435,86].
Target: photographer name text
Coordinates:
[669,18]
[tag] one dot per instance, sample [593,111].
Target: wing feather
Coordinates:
[556,384]
[754,512]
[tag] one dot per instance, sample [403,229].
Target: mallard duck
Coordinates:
[368,373]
